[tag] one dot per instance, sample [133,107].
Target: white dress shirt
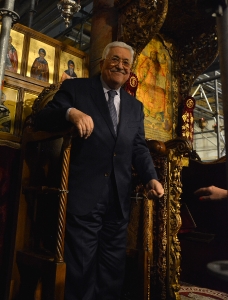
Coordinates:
[106,88]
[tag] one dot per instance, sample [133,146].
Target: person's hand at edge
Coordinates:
[211,193]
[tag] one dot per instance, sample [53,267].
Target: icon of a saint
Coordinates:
[69,73]
[11,58]
[40,68]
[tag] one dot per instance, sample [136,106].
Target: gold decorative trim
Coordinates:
[165,270]
[139,21]
[147,243]
[175,190]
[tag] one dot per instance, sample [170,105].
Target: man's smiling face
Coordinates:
[115,73]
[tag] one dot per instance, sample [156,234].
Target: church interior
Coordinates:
[177,247]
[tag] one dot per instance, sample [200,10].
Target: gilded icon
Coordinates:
[11,57]
[69,73]
[70,64]
[39,69]
[41,61]
[14,51]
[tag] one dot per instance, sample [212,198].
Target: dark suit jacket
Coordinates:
[94,159]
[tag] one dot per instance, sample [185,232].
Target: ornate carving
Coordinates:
[187,25]
[194,57]
[192,29]
[44,97]
[160,225]
[175,190]
[9,13]
[139,21]
[165,270]
[182,145]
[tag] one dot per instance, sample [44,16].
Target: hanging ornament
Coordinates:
[68,8]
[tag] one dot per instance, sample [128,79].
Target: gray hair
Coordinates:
[117,44]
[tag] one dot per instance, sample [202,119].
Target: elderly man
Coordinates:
[110,140]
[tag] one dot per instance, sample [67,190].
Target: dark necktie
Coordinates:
[112,109]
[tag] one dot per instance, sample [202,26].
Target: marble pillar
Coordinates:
[8,18]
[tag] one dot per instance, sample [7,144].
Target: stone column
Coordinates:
[103,31]
[8,18]
[31,13]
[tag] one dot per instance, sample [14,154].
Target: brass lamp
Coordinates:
[68,8]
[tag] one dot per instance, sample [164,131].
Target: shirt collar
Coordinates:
[107,88]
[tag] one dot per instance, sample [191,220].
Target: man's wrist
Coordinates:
[67,114]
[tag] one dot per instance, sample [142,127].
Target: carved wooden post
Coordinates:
[63,201]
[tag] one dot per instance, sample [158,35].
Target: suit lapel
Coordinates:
[99,99]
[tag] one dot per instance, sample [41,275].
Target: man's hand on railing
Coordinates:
[82,122]
[154,189]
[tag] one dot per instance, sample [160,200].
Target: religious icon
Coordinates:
[69,73]
[153,70]
[39,69]
[74,62]
[11,57]
[147,68]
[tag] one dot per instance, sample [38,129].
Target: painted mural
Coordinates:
[153,69]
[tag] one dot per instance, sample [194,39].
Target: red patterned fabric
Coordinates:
[131,84]
[187,118]
[197,293]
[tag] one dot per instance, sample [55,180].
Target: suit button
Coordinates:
[106,174]
[114,154]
